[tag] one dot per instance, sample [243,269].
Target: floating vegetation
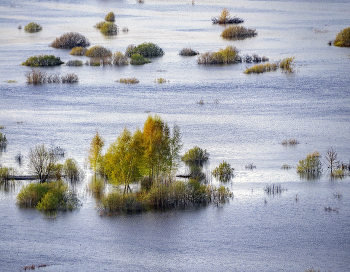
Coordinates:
[161,80]
[11,81]
[144,49]
[110,17]
[343,38]
[286,166]
[290,141]
[273,189]
[238,32]
[225,18]
[37,76]
[223,56]
[47,60]
[78,51]
[74,63]
[32,27]
[224,172]
[119,59]
[131,80]
[188,52]
[261,68]
[70,40]
[137,59]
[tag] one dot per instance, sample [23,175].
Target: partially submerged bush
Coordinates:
[145,49]
[137,59]
[71,169]
[224,172]
[343,38]
[96,186]
[32,27]
[99,25]
[225,18]
[160,80]
[287,64]
[70,40]
[47,60]
[5,173]
[70,78]
[195,155]
[188,52]
[98,52]
[78,51]
[290,141]
[3,140]
[131,80]
[119,59]
[254,58]
[223,56]
[110,17]
[48,196]
[311,166]
[261,68]
[37,76]
[109,28]
[238,32]
[74,63]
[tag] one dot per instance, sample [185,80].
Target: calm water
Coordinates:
[244,120]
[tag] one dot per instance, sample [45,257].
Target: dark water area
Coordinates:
[243,120]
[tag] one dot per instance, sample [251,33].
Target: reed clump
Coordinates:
[145,49]
[78,51]
[74,63]
[131,80]
[70,40]
[47,60]
[238,32]
[261,68]
[110,17]
[225,18]
[343,38]
[98,51]
[137,59]
[223,56]
[69,78]
[33,27]
[119,59]
[188,52]
[37,76]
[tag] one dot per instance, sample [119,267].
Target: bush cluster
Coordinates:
[131,80]
[195,155]
[33,27]
[223,56]
[343,38]
[47,60]
[37,76]
[78,51]
[3,140]
[98,52]
[48,196]
[225,18]
[119,59]
[109,28]
[137,59]
[188,52]
[311,166]
[70,40]
[74,63]
[287,64]
[145,49]
[224,172]
[238,32]
[110,17]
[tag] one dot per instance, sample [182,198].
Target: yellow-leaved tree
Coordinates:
[95,153]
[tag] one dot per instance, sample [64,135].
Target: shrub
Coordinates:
[160,80]
[99,25]
[224,172]
[47,60]
[343,38]
[109,28]
[119,59]
[128,80]
[31,194]
[70,40]
[145,49]
[224,18]
[92,63]
[5,173]
[36,77]
[78,51]
[110,17]
[338,173]
[137,59]
[32,27]
[70,78]
[3,140]
[98,52]
[287,64]
[311,166]
[188,52]
[74,63]
[223,56]
[254,58]
[71,169]
[261,68]
[291,141]
[238,32]
[195,155]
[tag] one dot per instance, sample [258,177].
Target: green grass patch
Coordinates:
[47,60]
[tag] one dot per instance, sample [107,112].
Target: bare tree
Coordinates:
[42,162]
[332,158]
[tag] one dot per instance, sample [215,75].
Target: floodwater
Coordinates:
[243,120]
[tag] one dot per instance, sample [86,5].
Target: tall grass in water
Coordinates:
[287,64]
[78,51]
[128,80]
[261,68]
[225,18]
[223,56]
[238,32]
[37,76]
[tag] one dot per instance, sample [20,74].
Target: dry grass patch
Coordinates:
[223,56]
[238,32]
